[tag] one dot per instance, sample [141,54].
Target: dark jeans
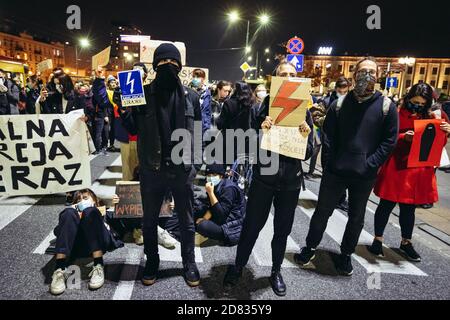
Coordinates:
[331,189]
[211,230]
[407,218]
[259,203]
[315,155]
[77,237]
[112,130]
[99,126]
[154,186]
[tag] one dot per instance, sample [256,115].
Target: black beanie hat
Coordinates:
[215,169]
[166,51]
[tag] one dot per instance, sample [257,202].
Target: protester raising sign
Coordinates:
[101,58]
[43,154]
[289,99]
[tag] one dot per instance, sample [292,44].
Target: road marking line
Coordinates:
[392,263]
[125,289]
[44,244]
[11,208]
[262,251]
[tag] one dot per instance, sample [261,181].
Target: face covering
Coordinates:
[215,180]
[261,94]
[365,86]
[84,204]
[167,76]
[196,82]
[414,108]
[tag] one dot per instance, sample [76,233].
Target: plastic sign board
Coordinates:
[132,88]
[296,60]
[295,45]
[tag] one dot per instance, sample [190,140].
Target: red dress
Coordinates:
[398,183]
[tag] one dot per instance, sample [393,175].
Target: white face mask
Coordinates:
[215,180]
[84,204]
[261,94]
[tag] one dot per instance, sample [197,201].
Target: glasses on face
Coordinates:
[364,72]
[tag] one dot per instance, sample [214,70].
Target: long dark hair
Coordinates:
[425,91]
[243,93]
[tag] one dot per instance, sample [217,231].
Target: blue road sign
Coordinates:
[296,60]
[132,88]
[295,45]
[392,82]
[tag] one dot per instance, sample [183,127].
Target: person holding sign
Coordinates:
[82,232]
[407,186]
[169,106]
[362,130]
[281,189]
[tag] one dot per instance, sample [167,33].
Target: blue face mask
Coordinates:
[196,82]
[215,180]
[414,107]
[84,204]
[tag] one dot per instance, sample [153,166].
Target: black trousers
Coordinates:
[154,186]
[211,230]
[99,127]
[80,237]
[331,189]
[315,155]
[260,199]
[406,219]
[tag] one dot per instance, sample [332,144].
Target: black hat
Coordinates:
[215,169]
[166,51]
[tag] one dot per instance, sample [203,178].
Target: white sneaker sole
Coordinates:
[309,264]
[408,257]
[96,286]
[57,292]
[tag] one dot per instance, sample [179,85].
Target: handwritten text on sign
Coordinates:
[287,141]
[43,154]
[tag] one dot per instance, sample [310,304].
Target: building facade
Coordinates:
[25,49]
[434,71]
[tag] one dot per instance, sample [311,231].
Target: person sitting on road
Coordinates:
[82,232]
[221,214]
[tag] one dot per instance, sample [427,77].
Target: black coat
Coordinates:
[234,115]
[143,121]
[54,102]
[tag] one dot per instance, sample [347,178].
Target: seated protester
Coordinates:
[221,215]
[82,232]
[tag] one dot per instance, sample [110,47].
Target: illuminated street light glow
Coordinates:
[264,19]
[249,58]
[248,49]
[84,43]
[407,60]
[233,16]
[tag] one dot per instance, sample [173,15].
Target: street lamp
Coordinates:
[264,19]
[83,43]
[248,49]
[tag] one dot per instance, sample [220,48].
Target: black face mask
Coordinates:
[167,76]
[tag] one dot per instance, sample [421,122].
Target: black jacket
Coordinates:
[360,137]
[234,115]
[31,98]
[100,100]
[4,105]
[143,121]
[290,173]
[54,102]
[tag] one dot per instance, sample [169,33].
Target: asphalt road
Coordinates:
[26,225]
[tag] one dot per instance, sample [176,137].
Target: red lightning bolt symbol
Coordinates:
[283,100]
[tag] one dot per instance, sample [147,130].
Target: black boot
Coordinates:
[232,277]
[277,283]
[151,271]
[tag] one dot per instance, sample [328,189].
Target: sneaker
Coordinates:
[232,276]
[344,265]
[165,239]
[138,237]
[304,258]
[427,206]
[97,276]
[191,274]
[151,271]
[58,285]
[376,248]
[277,283]
[410,252]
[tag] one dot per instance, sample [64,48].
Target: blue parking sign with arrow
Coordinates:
[392,82]
[296,60]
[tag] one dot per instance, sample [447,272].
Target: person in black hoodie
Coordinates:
[362,133]
[282,190]
[169,106]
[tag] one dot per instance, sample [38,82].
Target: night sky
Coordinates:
[414,28]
